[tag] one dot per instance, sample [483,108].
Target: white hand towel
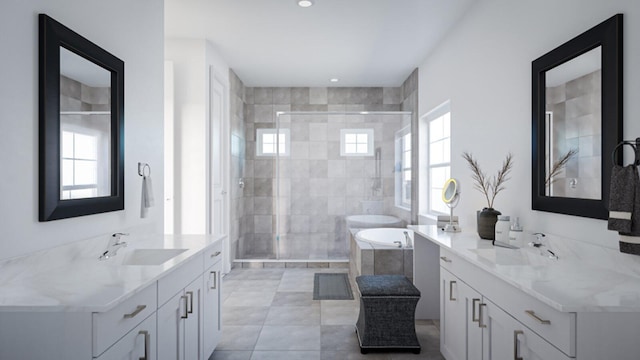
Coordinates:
[147,196]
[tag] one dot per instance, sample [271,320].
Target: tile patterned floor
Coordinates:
[270,314]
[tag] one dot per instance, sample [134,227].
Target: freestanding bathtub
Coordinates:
[385,236]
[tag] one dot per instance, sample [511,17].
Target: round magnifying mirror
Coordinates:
[450,191]
[450,196]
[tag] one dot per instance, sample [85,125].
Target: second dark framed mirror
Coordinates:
[577,122]
[81,127]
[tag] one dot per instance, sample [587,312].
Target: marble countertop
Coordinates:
[71,278]
[585,278]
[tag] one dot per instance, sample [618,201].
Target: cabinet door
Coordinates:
[212,323]
[192,323]
[472,300]
[453,342]
[137,344]
[506,338]
[171,328]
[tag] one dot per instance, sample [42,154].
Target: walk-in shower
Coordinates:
[305,172]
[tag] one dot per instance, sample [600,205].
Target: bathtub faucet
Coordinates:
[398,242]
[408,240]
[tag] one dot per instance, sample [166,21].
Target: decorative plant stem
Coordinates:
[489,186]
[559,165]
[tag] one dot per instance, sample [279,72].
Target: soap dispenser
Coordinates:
[515,233]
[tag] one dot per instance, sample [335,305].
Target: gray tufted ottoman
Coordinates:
[387,313]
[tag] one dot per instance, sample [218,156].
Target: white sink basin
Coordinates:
[503,256]
[150,256]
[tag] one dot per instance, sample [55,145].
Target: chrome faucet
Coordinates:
[407,239]
[114,245]
[539,243]
[398,242]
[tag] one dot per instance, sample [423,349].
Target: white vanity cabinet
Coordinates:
[498,303]
[114,311]
[475,323]
[211,300]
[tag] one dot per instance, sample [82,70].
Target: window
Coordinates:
[266,144]
[79,165]
[439,158]
[403,168]
[356,142]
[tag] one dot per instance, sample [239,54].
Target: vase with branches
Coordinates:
[490,187]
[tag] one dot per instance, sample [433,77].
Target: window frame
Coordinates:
[435,114]
[370,141]
[276,131]
[402,167]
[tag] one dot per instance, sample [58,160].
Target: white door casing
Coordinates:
[218,194]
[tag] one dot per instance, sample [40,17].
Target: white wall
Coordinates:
[191,60]
[132,31]
[484,67]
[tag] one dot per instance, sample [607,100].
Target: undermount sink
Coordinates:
[503,256]
[150,256]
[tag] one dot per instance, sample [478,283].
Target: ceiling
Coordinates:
[278,43]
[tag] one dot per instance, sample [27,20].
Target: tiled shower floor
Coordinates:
[270,314]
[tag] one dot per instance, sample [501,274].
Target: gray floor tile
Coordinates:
[339,312]
[289,338]
[353,355]
[230,355]
[293,315]
[239,337]
[266,312]
[339,337]
[286,355]
[248,298]
[244,315]
[294,298]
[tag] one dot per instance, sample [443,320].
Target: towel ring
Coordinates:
[143,168]
[636,150]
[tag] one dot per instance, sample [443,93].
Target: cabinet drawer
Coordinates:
[139,343]
[174,282]
[558,328]
[212,254]
[450,262]
[110,326]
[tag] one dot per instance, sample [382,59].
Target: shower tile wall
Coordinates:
[317,186]
[576,109]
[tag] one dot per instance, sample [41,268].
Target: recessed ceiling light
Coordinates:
[305,3]
[334,80]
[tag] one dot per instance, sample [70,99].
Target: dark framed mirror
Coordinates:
[81,125]
[577,122]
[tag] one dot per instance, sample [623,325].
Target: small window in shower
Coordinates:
[403,168]
[272,142]
[356,142]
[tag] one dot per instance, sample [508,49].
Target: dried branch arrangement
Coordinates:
[559,165]
[489,186]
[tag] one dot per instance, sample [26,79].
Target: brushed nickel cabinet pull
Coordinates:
[135,312]
[515,344]
[186,313]
[215,254]
[147,344]
[445,259]
[537,318]
[215,279]
[480,323]
[451,298]
[473,310]
[190,295]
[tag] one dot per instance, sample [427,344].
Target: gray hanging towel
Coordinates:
[624,199]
